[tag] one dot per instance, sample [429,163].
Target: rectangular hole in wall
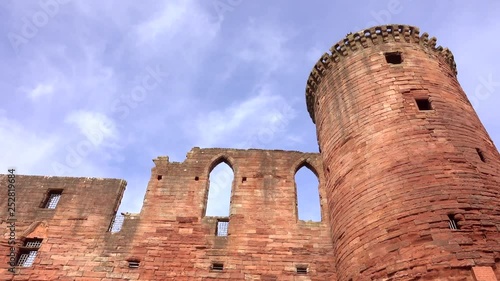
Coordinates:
[217,266]
[243,179]
[133,264]
[393,58]
[222,226]
[301,269]
[423,104]
[159,177]
[117,223]
[52,199]
[480,154]
[452,222]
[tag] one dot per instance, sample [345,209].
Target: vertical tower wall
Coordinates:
[394,173]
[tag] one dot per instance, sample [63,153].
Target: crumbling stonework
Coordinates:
[409,182]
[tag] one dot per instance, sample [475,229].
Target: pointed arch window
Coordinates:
[219,192]
[307,190]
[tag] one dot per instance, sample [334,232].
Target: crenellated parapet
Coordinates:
[367,38]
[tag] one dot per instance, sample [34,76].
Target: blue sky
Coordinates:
[99,88]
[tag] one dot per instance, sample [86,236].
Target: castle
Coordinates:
[409,182]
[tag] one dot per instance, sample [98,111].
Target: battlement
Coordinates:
[356,42]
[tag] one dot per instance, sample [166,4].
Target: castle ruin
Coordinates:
[409,182]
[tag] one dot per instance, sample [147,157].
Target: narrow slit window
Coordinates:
[217,266]
[480,154]
[301,269]
[28,252]
[394,58]
[307,190]
[452,222]
[52,199]
[222,226]
[423,104]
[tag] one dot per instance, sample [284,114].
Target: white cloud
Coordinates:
[264,44]
[260,116]
[96,127]
[182,21]
[41,90]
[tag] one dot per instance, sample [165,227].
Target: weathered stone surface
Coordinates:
[394,172]
[171,238]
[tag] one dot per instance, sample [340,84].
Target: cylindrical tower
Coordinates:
[413,177]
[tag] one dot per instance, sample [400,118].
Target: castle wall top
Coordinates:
[367,38]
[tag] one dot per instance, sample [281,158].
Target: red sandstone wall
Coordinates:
[394,173]
[171,238]
[72,233]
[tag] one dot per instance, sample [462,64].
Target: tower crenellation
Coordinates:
[367,38]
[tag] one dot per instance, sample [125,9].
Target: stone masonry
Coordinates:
[409,184]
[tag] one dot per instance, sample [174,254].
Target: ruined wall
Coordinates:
[171,238]
[73,233]
[395,172]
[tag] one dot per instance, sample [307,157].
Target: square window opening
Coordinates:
[160,177]
[480,154]
[301,269]
[423,104]
[243,179]
[393,58]
[217,266]
[196,178]
[52,199]
[26,257]
[452,222]
[222,226]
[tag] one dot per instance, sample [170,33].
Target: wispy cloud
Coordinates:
[41,90]
[95,126]
[241,121]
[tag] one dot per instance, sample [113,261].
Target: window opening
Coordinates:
[28,252]
[452,222]
[217,266]
[423,104]
[133,264]
[307,188]
[219,191]
[52,199]
[480,154]
[301,269]
[117,223]
[393,58]
[222,226]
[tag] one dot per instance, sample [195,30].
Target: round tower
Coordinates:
[412,176]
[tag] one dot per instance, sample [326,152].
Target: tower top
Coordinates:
[367,38]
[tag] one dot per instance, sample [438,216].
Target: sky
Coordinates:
[100,88]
